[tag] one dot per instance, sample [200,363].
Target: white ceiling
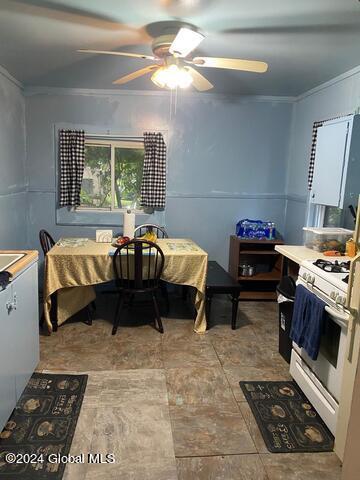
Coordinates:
[305,42]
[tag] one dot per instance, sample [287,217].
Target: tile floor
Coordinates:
[170,406]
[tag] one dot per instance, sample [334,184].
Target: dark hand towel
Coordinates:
[4,280]
[307,321]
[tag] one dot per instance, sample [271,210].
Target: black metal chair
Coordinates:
[138,265]
[47,242]
[150,227]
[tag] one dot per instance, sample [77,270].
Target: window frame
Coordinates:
[113,144]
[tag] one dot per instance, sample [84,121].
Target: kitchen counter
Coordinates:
[16,268]
[299,253]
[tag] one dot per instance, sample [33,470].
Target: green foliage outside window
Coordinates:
[128,176]
[96,191]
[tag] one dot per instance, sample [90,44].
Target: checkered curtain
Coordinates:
[72,159]
[153,187]
[316,125]
[312,152]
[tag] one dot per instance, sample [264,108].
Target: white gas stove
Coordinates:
[328,276]
[320,379]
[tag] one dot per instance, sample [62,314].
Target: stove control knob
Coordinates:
[305,276]
[341,300]
[311,280]
[333,295]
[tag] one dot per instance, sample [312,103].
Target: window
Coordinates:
[112,174]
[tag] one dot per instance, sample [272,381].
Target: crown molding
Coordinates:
[329,83]
[12,79]
[38,90]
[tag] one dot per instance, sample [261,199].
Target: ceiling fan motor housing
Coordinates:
[160,45]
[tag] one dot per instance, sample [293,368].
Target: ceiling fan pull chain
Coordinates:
[176,99]
[171,102]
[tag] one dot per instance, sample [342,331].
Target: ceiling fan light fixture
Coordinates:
[184,78]
[172,77]
[172,73]
[185,42]
[159,77]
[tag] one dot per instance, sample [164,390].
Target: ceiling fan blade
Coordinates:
[122,54]
[136,74]
[315,29]
[185,42]
[199,81]
[231,63]
[55,10]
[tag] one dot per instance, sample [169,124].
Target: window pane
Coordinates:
[96,184]
[333,217]
[128,176]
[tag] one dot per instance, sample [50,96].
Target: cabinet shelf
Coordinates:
[262,255]
[254,295]
[272,276]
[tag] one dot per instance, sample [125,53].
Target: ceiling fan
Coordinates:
[174,65]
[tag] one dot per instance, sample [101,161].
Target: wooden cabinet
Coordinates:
[267,262]
[19,339]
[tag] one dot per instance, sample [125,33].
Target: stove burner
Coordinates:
[346,279]
[332,267]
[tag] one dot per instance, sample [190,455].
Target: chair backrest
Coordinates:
[46,241]
[138,265]
[150,227]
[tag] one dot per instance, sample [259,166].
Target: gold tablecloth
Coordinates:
[73,270]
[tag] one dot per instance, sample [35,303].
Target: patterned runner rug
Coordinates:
[286,419]
[41,428]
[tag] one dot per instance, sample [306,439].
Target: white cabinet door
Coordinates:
[328,181]
[7,351]
[26,323]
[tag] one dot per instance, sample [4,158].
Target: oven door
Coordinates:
[328,367]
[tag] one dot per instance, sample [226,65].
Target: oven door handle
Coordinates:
[341,319]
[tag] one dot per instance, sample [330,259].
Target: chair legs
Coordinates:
[53,312]
[119,306]
[131,300]
[235,303]
[88,312]
[89,317]
[165,295]
[208,307]
[157,313]
[184,292]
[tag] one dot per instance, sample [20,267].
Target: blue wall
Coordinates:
[338,97]
[13,215]
[227,157]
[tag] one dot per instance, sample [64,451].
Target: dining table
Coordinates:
[75,265]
